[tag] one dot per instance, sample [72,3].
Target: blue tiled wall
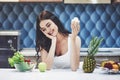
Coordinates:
[101,20]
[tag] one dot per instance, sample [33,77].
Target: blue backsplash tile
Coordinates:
[101,20]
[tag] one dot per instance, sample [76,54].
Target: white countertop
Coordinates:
[56,74]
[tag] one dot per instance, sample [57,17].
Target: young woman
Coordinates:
[58,47]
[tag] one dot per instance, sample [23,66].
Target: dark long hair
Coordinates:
[43,42]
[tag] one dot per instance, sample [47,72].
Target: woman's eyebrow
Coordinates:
[47,24]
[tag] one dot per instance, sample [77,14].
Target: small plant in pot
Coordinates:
[89,63]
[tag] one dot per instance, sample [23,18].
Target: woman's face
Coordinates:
[48,27]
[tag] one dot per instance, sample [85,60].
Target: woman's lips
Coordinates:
[51,32]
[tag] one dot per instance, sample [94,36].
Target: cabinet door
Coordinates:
[4,42]
[5,50]
[87,1]
[40,0]
[4,55]
[9,0]
[115,1]
[31,0]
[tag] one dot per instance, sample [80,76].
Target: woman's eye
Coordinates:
[44,30]
[48,25]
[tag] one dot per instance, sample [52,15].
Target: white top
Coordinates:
[64,60]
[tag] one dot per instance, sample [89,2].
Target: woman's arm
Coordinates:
[75,44]
[49,57]
[75,53]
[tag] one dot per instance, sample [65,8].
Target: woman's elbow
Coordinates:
[74,68]
[49,67]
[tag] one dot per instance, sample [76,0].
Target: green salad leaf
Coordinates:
[16,58]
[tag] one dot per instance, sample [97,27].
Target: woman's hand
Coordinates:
[75,26]
[50,36]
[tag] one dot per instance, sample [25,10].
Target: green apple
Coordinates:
[42,66]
